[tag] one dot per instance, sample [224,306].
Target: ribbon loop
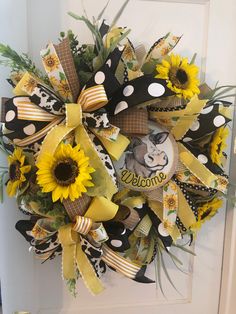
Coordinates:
[82,225]
[93,98]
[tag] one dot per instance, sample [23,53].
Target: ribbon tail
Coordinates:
[87,272]
[68,262]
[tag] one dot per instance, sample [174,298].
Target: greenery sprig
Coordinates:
[19,63]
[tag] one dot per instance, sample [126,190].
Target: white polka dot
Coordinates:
[207,110]
[116,243]
[29,129]
[156,90]
[218,103]
[202,158]
[99,77]
[219,121]
[10,115]
[162,230]
[195,126]
[187,139]
[109,63]
[128,90]
[122,105]
[121,48]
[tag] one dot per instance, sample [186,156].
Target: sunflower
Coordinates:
[17,171]
[30,85]
[38,233]
[170,201]
[16,77]
[206,212]
[62,87]
[66,173]
[51,62]
[181,76]
[218,145]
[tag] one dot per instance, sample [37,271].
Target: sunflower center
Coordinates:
[14,171]
[182,76]
[206,213]
[66,171]
[50,62]
[66,87]
[171,202]
[179,78]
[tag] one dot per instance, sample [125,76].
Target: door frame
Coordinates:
[222,23]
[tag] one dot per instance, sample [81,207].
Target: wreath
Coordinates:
[114,155]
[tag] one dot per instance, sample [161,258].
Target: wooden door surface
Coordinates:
[208,28]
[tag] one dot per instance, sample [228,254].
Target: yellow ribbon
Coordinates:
[191,113]
[196,167]
[73,255]
[100,209]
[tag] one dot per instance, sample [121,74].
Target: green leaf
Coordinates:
[118,15]
[62,76]
[166,272]
[158,270]
[165,188]
[193,58]
[171,212]
[93,29]
[103,10]
[46,53]
[20,62]
[184,249]
[71,285]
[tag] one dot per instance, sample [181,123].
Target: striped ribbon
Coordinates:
[26,110]
[82,225]
[93,98]
[119,263]
[38,135]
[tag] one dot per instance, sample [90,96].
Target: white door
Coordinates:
[209,29]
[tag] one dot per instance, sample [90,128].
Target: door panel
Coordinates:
[199,289]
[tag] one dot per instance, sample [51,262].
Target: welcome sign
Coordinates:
[149,161]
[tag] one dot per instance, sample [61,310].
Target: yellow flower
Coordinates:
[51,62]
[206,212]
[165,50]
[62,87]
[38,233]
[218,145]
[66,174]
[170,201]
[128,53]
[16,77]
[30,85]
[222,182]
[17,171]
[181,76]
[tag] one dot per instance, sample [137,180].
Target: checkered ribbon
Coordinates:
[77,207]
[64,54]
[132,121]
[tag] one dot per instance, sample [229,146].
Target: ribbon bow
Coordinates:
[73,255]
